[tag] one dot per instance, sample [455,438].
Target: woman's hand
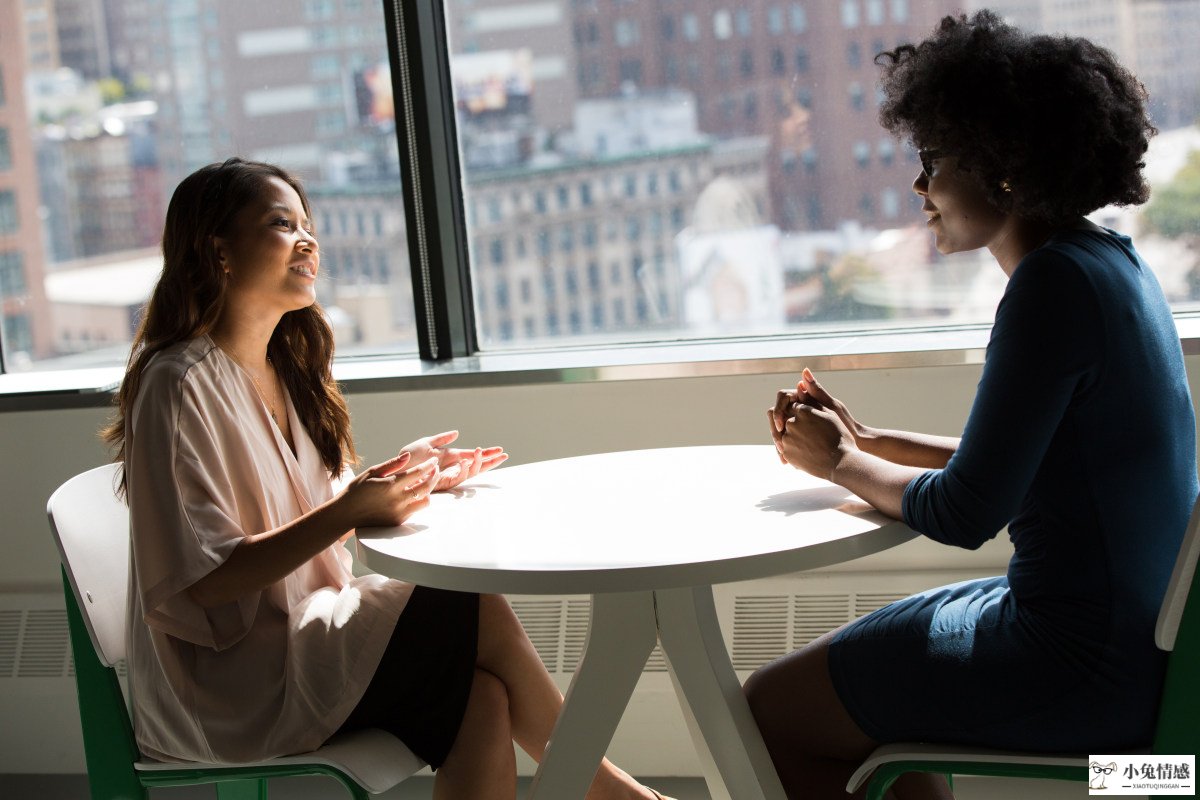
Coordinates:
[811,392]
[811,438]
[389,493]
[455,465]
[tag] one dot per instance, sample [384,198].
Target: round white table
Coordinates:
[647,533]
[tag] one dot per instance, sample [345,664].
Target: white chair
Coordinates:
[1178,730]
[91,529]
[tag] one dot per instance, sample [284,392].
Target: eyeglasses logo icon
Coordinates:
[1099,772]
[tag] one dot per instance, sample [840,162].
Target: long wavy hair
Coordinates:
[189,297]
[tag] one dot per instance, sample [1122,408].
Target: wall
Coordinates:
[44,448]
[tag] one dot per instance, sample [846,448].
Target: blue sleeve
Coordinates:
[1045,349]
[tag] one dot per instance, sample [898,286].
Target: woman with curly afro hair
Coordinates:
[1081,438]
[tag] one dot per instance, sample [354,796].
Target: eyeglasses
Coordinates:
[928,157]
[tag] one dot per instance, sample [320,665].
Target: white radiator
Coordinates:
[762,620]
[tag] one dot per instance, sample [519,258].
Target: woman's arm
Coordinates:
[1044,352]
[817,441]
[385,494]
[899,447]
[907,448]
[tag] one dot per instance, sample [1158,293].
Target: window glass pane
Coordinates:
[722,24]
[850,13]
[799,19]
[102,127]
[775,19]
[9,222]
[780,204]
[874,12]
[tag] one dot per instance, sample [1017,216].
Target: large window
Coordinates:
[668,172]
[97,151]
[791,211]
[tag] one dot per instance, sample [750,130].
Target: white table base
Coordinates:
[624,628]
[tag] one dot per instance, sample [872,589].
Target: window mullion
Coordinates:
[431,178]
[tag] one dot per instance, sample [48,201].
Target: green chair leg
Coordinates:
[883,779]
[107,735]
[356,791]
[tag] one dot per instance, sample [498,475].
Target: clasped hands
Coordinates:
[812,430]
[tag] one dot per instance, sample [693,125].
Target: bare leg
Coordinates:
[533,698]
[481,765]
[814,743]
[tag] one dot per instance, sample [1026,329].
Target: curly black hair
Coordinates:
[1055,119]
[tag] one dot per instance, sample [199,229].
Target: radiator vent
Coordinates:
[760,630]
[817,614]
[35,643]
[558,629]
[10,636]
[766,627]
[543,623]
[43,649]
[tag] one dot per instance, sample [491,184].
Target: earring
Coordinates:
[1005,186]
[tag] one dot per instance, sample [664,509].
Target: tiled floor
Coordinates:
[74,787]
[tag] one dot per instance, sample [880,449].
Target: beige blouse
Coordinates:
[277,671]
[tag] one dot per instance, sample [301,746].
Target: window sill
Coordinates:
[788,354]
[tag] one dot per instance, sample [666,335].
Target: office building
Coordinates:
[800,73]
[26,324]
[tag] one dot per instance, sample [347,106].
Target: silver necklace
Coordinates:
[258,386]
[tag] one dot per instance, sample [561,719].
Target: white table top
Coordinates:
[638,520]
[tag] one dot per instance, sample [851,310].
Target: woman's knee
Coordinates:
[781,680]
[499,629]
[488,695]
[795,704]
[493,608]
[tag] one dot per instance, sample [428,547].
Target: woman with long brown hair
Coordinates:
[249,637]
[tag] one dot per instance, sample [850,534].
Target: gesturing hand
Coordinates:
[455,465]
[391,492]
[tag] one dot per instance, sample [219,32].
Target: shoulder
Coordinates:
[174,376]
[178,364]
[1098,257]
[1053,300]
[1074,266]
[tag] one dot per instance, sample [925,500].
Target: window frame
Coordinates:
[431,178]
[448,345]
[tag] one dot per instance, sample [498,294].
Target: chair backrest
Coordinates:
[1179,588]
[1178,632]
[91,528]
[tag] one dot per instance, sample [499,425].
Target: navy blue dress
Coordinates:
[1082,440]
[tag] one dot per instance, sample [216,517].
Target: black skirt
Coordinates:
[419,692]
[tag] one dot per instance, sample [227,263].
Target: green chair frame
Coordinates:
[364,762]
[111,752]
[1177,731]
